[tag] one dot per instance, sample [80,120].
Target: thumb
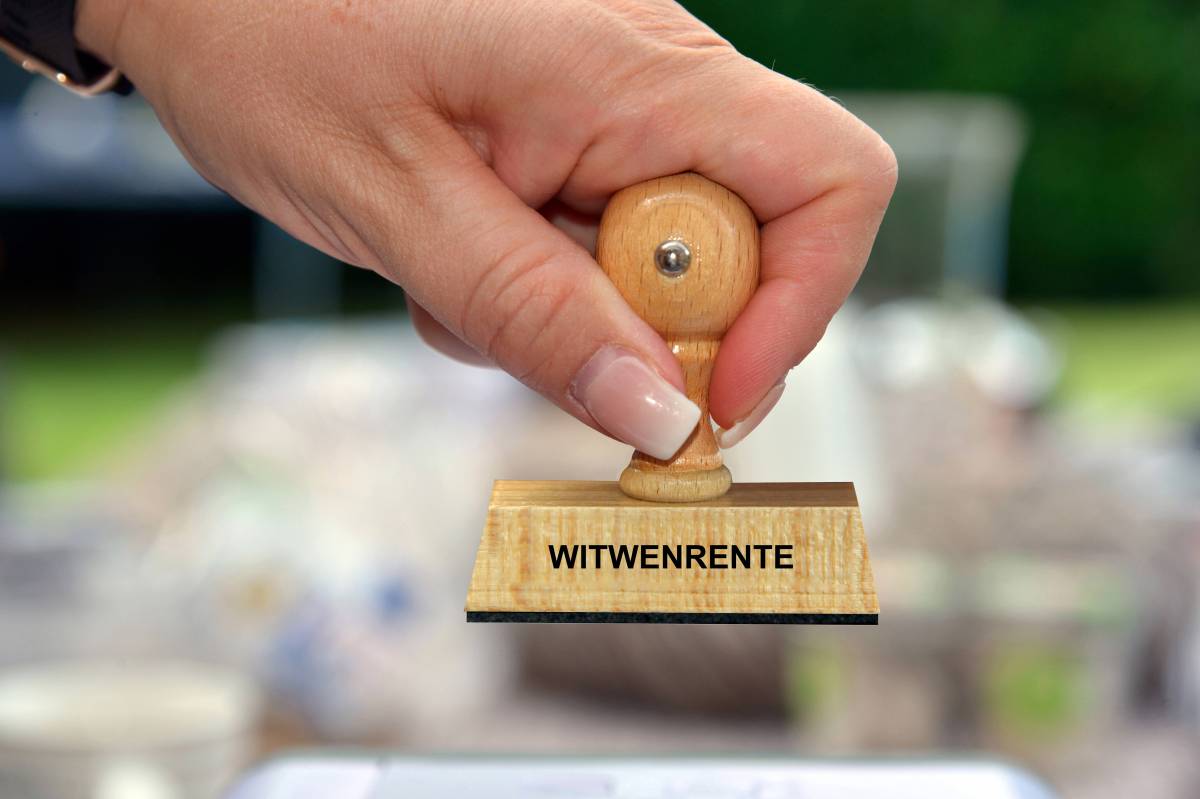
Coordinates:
[521,292]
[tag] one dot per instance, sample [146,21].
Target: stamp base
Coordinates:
[810,559]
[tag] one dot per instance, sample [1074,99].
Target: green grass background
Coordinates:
[69,402]
[1142,359]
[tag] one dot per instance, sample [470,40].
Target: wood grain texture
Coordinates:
[691,312]
[831,575]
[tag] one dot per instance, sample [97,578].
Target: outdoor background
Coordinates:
[219,447]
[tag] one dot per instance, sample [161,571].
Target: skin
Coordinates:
[465,150]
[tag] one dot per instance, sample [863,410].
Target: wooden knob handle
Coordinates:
[683,251]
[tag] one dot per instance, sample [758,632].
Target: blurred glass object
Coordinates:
[905,344]
[947,227]
[123,730]
[103,692]
[62,130]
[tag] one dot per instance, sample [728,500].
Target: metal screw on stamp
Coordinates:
[672,257]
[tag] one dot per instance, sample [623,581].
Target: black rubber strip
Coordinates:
[523,617]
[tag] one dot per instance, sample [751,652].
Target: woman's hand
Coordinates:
[465,150]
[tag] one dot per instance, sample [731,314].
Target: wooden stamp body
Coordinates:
[763,552]
[675,540]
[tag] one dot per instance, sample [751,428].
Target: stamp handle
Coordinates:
[683,251]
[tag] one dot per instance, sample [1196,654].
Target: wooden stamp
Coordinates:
[676,540]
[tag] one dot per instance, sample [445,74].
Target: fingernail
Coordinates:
[634,403]
[743,427]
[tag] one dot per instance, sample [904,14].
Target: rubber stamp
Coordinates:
[676,540]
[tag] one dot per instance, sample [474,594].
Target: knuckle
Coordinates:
[515,311]
[663,22]
[659,41]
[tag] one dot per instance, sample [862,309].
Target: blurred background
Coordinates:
[239,502]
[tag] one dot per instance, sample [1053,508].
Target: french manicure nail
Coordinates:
[743,427]
[634,403]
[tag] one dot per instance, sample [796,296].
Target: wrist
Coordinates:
[98,25]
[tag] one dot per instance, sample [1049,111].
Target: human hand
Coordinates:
[421,138]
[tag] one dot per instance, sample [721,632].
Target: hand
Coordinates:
[421,138]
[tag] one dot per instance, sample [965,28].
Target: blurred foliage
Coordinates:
[72,400]
[1107,202]
[1030,691]
[813,680]
[1139,359]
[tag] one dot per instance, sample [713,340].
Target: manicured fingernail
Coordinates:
[743,427]
[634,403]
